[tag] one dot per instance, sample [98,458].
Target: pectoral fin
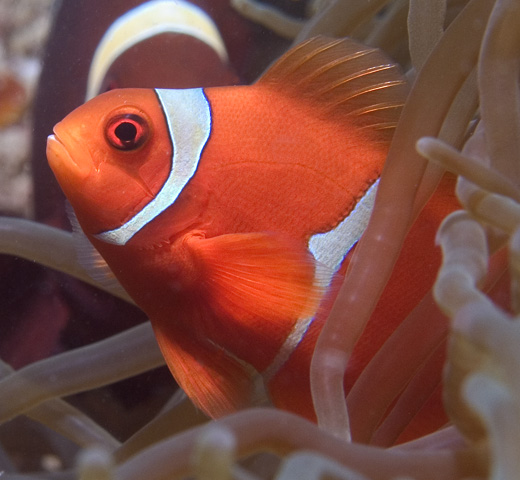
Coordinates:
[216,383]
[258,275]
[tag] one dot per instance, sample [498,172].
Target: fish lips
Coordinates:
[65,167]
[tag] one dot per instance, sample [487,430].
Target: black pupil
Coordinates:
[126,132]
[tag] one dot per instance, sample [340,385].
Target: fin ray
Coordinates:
[90,259]
[341,77]
[216,383]
[258,275]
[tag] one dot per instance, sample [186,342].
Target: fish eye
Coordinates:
[127,131]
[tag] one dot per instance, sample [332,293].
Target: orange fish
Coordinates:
[228,213]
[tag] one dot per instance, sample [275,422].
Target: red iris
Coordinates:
[126,131]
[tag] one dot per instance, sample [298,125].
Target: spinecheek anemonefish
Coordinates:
[228,213]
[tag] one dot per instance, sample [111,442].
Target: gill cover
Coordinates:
[189,122]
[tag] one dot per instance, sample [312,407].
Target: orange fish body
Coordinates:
[228,213]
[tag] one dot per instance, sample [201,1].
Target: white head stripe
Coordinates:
[188,116]
[145,21]
[330,248]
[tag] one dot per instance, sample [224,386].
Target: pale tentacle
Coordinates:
[259,430]
[269,17]
[339,18]
[453,160]
[390,33]
[95,463]
[48,246]
[384,378]
[499,70]
[66,420]
[425,28]
[378,250]
[120,356]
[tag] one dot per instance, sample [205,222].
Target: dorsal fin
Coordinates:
[350,81]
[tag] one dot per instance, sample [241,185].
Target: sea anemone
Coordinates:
[462,115]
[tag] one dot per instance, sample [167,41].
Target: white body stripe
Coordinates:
[188,116]
[145,21]
[291,342]
[329,249]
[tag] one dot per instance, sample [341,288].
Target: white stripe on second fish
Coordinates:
[145,21]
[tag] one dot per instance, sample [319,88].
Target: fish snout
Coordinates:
[66,168]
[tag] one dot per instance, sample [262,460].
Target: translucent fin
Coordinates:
[216,383]
[89,258]
[258,275]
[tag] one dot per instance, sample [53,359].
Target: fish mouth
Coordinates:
[61,161]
